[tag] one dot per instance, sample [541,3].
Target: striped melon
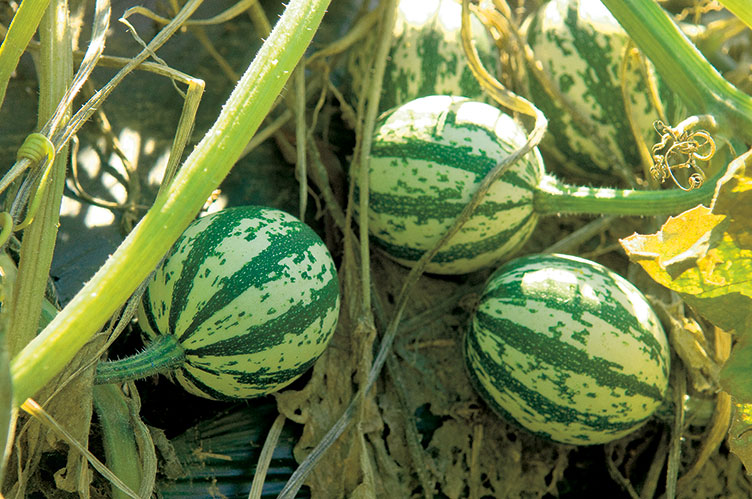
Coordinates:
[250,296]
[428,157]
[426,55]
[567,349]
[580,45]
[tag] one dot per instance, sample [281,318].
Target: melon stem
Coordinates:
[554,197]
[162,355]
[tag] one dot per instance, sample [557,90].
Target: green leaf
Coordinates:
[702,88]
[735,375]
[741,9]
[740,436]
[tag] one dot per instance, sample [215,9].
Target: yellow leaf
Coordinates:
[705,254]
[681,241]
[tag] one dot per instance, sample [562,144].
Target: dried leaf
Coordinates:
[689,343]
[318,406]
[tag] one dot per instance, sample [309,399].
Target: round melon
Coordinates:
[567,349]
[580,45]
[252,296]
[427,159]
[426,55]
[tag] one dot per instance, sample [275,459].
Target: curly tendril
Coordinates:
[680,149]
[36,148]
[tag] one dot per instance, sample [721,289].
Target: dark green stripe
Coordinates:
[263,268]
[438,207]
[203,244]
[507,144]
[463,157]
[599,81]
[263,379]
[505,382]
[563,356]
[271,333]
[207,390]
[575,160]
[392,94]
[465,250]
[505,287]
[428,41]
[151,321]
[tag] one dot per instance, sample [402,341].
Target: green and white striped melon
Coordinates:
[580,45]
[427,159]
[567,349]
[426,55]
[252,296]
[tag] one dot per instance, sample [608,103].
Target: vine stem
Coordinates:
[120,447]
[553,197]
[702,88]
[38,412]
[55,68]
[21,30]
[741,9]
[162,355]
[211,160]
[368,126]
